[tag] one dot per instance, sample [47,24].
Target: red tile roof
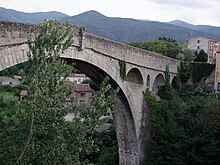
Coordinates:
[78,75]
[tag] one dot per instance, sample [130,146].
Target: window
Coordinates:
[198,41]
[198,48]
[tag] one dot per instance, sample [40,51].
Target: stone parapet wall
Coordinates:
[130,54]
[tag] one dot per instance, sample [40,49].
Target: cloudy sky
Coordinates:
[204,12]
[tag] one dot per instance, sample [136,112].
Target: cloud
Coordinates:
[183,3]
[192,11]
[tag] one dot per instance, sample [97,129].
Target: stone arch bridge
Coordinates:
[98,57]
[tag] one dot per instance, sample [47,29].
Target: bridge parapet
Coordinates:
[15,33]
[131,54]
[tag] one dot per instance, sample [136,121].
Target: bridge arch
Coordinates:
[123,116]
[134,75]
[100,57]
[125,125]
[174,82]
[158,82]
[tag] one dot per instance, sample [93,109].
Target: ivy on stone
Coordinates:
[122,65]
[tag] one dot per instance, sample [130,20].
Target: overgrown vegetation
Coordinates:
[19,69]
[196,70]
[185,128]
[122,65]
[34,130]
[166,46]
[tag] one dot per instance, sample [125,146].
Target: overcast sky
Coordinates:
[204,12]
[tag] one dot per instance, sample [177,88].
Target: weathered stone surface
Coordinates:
[98,57]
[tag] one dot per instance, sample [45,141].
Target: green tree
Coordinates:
[92,84]
[189,55]
[49,138]
[11,130]
[185,128]
[165,46]
[202,56]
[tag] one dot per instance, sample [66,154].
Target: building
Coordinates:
[81,93]
[203,43]
[76,78]
[217,68]
[212,51]
[8,81]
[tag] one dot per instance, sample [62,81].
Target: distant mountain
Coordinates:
[182,24]
[17,16]
[212,30]
[119,29]
[131,30]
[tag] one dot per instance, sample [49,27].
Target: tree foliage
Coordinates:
[184,129]
[189,55]
[37,132]
[165,46]
[92,84]
[201,56]
[19,69]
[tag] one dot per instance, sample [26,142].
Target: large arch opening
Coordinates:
[158,82]
[123,117]
[134,75]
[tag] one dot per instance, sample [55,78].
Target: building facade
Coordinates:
[81,93]
[77,78]
[203,43]
[217,68]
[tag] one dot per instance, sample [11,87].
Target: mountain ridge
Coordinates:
[36,17]
[119,29]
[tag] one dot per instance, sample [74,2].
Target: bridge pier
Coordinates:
[128,158]
[131,139]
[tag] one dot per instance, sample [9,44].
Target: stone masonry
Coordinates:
[98,57]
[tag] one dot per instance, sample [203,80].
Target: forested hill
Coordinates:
[17,16]
[131,30]
[213,30]
[118,29]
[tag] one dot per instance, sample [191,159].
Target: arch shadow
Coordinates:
[134,75]
[158,82]
[174,83]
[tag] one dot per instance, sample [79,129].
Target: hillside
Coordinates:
[119,29]
[17,16]
[131,30]
[212,30]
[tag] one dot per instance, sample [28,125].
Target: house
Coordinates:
[203,43]
[8,81]
[76,78]
[81,93]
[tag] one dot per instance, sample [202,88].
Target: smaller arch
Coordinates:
[158,82]
[174,82]
[134,75]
